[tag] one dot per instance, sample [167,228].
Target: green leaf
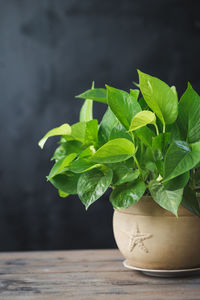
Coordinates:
[145,135]
[160,97]
[99,95]
[180,158]
[85,132]
[61,164]
[108,122]
[189,115]
[123,174]
[114,151]
[135,93]
[62,194]
[67,182]
[160,144]
[67,148]
[81,165]
[126,195]
[190,201]
[167,199]
[119,131]
[178,182]
[123,105]
[64,129]
[93,184]
[141,119]
[86,113]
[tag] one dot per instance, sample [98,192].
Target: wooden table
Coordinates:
[88,274]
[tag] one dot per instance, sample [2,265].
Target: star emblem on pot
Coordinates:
[137,238]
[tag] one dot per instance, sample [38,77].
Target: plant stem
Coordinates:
[164,127]
[137,164]
[157,131]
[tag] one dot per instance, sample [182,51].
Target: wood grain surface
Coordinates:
[87,275]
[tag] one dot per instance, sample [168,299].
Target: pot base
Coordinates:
[164,273]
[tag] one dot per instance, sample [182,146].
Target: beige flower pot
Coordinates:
[150,237]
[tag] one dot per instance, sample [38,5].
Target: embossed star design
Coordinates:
[137,238]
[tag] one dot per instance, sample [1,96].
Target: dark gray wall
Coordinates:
[49,52]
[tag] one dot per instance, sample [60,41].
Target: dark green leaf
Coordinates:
[125,195]
[93,184]
[180,158]
[107,124]
[178,182]
[67,148]
[160,144]
[167,199]
[190,201]
[145,135]
[81,165]
[123,174]
[119,131]
[99,95]
[67,182]
[189,115]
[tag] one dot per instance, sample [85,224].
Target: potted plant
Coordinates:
[147,150]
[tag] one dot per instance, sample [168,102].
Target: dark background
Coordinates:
[51,51]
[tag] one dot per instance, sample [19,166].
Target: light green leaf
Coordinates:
[167,199]
[62,194]
[189,115]
[180,158]
[93,184]
[190,201]
[160,97]
[123,105]
[61,164]
[126,195]
[64,129]
[86,113]
[85,132]
[135,93]
[99,95]
[141,119]
[67,182]
[114,151]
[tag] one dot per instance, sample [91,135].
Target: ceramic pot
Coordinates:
[150,237]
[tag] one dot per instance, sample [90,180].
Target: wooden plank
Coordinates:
[84,275]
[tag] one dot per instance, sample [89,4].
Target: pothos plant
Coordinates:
[144,145]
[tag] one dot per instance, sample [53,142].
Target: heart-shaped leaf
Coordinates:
[126,195]
[142,119]
[180,158]
[160,97]
[189,115]
[64,129]
[167,199]
[123,105]
[93,184]
[114,151]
